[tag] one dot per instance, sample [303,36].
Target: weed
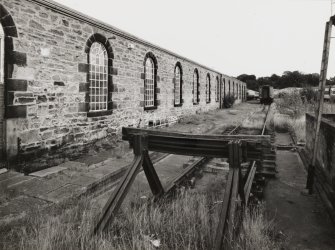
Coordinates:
[257,232]
[187,221]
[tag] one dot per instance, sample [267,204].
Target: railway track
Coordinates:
[267,170]
[261,171]
[175,143]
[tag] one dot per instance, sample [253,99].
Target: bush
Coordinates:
[308,95]
[291,103]
[228,101]
[332,99]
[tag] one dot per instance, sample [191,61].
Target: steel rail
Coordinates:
[178,143]
[252,171]
[234,188]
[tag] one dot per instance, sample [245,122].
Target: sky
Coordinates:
[260,37]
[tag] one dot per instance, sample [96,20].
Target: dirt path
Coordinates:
[302,219]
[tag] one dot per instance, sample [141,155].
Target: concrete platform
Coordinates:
[283,139]
[48,172]
[3,170]
[302,219]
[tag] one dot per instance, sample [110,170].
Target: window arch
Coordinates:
[2,93]
[217,89]
[208,89]
[100,70]
[150,81]
[98,76]
[7,109]
[178,82]
[245,93]
[196,92]
[240,93]
[229,93]
[2,54]
[224,89]
[237,93]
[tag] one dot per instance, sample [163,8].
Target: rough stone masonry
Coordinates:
[44,97]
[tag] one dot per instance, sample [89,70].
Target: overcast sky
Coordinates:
[233,36]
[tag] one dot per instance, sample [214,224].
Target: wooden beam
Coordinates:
[152,177]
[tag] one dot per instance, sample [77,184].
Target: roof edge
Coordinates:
[62,9]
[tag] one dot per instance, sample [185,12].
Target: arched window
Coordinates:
[241,91]
[98,60]
[208,89]
[2,54]
[237,93]
[196,87]
[217,89]
[245,92]
[178,85]
[150,72]
[229,93]
[2,92]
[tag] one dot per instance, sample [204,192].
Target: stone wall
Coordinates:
[325,161]
[46,81]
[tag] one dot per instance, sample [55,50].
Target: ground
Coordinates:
[300,221]
[21,194]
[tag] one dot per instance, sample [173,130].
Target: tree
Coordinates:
[288,79]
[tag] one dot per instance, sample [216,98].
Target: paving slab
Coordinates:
[38,187]
[48,171]
[63,193]
[8,175]
[83,180]
[283,139]
[301,218]
[15,180]
[21,205]
[3,170]
[104,170]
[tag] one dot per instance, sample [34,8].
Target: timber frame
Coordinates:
[237,148]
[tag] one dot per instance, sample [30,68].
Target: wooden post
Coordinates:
[227,213]
[319,110]
[221,229]
[151,174]
[114,202]
[235,160]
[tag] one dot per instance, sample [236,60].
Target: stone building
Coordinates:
[67,80]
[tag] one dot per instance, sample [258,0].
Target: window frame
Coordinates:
[237,93]
[151,57]
[96,37]
[103,81]
[178,65]
[217,88]
[229,88]
[197,94]
[208,88]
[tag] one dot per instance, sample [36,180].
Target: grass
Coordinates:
[291,111]
[186,221]
[297,125]
[257,232]
[256,121]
